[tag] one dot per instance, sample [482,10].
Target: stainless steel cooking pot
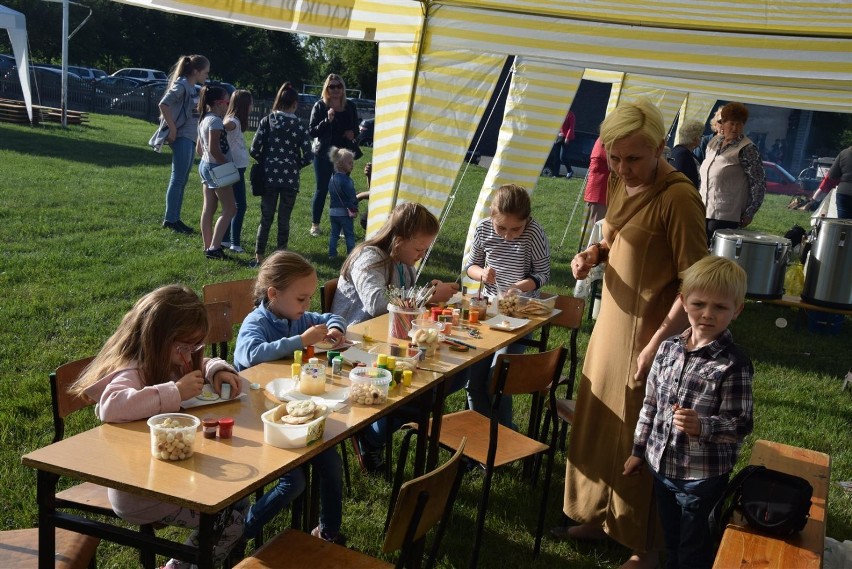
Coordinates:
[828,272]
[763,257]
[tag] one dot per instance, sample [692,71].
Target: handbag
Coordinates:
[257,179]
[225,174]
[356,149]
[771,502]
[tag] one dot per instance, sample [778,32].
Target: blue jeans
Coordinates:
[844,206]
[183,153]
[323,170]
[684,506]
[235,230]
[345,223]
[479,376]
[329,467]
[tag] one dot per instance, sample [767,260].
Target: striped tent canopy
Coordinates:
[439,62]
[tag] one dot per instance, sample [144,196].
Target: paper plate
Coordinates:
[506,323]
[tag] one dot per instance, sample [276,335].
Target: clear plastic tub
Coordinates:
[541,306]
[281,435]
[369,385]
[173,435]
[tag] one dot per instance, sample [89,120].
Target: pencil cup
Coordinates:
[400,320]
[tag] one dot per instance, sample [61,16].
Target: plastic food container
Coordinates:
[369,385]
[541,306]
[400,320]
[173,435]
[429,337]
[280,435]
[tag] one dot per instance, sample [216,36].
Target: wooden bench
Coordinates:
[743,547]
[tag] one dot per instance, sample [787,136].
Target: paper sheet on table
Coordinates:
[285,389]
[245,386]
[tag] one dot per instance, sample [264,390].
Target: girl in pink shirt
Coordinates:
[149,365]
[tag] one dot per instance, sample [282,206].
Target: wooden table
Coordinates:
[797,302]
[220,472]
[449,363]
[743,547]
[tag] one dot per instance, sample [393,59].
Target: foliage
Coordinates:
[356,61]
[82,241]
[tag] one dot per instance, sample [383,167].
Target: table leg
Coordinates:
[46,497]
[206,541]
[435,433]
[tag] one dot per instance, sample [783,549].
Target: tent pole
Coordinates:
[427,4]
[64,103]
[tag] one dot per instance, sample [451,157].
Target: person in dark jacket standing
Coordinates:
[334,122]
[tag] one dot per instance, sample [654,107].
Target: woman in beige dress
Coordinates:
[654,228]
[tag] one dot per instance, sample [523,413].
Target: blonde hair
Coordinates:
[511,199]
[280,270]
[332,77]
[690,131]
[638,117]
[146,335]
[406,221]
[716,275]
[337,155]
[185,65]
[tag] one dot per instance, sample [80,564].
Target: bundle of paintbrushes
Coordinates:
[404,306]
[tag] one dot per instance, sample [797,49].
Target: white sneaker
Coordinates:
[226,243]
[236,248]
[315,231]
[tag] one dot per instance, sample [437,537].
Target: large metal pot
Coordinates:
[828,273]
[763,257]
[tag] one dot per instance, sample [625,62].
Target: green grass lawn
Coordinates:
[80,215]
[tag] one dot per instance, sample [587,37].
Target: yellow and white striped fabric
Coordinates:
[539,97]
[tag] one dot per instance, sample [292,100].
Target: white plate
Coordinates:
[200,401]
[284,389]
[506,323]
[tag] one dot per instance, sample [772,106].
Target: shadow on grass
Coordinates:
[106,153]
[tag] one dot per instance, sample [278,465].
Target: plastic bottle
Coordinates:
[297,357]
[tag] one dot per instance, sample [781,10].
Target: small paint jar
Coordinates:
[337,366]
[208,428]
[226,427]
[309,352]
[330,355]
[406,378]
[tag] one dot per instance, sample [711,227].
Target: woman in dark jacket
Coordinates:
[334,122]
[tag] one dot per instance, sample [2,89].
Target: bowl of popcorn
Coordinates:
[294,424]
[173,435]
[369,385]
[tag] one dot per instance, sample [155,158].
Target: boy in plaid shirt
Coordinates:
[697,411]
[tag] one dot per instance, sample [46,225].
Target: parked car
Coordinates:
[84,73]
[141,74]
[365,132]
[811,177]
[98,73]
[306,104]
[780,181]
[6,61]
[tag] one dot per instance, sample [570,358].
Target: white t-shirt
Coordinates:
[239,153]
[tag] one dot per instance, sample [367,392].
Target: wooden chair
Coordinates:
[494,445]
[422,504]
[327,292]
[220,328]
[86,496]
[240,296]
[19,549]
[570,318]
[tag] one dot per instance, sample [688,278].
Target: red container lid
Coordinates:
[226,422]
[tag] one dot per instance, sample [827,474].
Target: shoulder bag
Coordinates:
[771,502]
[225,174]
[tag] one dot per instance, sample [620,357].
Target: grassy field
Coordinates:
[80,215]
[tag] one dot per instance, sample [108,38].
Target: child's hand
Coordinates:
[229,377]
[444,291]
[489,275]
[336,336]
[190,385]
[686,421]
[633,466]
[314,334]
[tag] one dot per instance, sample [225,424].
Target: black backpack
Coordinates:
[772,502]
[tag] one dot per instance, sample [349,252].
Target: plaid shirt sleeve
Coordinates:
[649,407]
[734,419]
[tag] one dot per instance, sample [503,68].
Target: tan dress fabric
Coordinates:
[653,236]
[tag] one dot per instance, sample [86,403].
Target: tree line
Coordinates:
[120,35]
